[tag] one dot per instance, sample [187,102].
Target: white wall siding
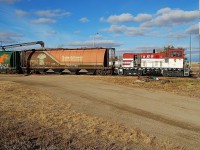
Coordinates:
[160,63]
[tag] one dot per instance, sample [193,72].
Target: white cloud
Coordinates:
[51,32]
[52,13]
[20,13]
[170,34]
[127,30]
[43,21]
[46,33]
[164,10]
[177,35]
[102,19]
[9,1]
[84,20]
[142,17]
[107,43]
[8,36]
[148,48]
[97,43]
[194,29]
[127,17]
[167,17]
[77,31]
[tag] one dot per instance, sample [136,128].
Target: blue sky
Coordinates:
[130,25]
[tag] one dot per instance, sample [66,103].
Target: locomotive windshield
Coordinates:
[176,53]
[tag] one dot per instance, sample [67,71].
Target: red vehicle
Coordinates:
[171,63]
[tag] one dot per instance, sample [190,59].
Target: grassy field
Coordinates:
[30,119]
[181,86]
[195,68]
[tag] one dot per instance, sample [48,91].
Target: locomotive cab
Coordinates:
[177,64]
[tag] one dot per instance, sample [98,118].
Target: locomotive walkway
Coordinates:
[164,115]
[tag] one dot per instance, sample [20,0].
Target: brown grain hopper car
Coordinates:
[98,61]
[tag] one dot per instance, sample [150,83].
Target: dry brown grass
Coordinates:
[182,86]
[195,68]
[30,119]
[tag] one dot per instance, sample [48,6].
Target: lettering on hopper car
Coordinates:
[41,58]
[72,58]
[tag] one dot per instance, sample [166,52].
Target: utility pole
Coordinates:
[94,38]
[199,55]
[190,49]
[93,41]
[199,39]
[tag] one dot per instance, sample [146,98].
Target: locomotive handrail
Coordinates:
[22,44]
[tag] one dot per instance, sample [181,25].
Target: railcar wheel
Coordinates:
[98,72]
[164,73]
[139,73]
[125,72]
[103,72]
[108,72]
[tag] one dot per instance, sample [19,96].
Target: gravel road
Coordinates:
[164,115]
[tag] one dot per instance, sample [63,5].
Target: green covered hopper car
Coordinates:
[9,62]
